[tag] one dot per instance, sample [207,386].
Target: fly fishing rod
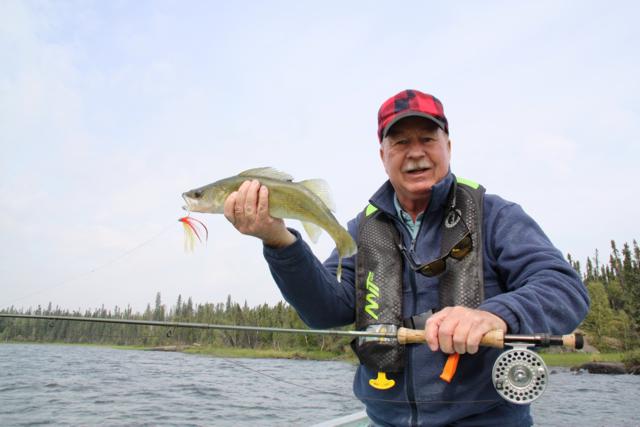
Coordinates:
[519,374]
[496,338]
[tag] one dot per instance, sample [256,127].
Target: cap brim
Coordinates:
[404,115]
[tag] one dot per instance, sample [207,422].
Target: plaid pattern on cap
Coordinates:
[410,103]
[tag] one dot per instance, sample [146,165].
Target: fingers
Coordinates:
[248,210]
[241,205]
[459,338]
[432,327]
[229,207]
[474,338]
[263,203]
[460,329]
[441,330]
[250,205]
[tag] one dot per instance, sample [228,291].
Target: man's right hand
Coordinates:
[460,329]
[248,210]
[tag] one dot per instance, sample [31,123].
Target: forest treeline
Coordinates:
[280,315]
[613,323]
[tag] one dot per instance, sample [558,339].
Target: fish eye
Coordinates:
[197,194]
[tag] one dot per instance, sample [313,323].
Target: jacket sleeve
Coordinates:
[311,287]
[542,292]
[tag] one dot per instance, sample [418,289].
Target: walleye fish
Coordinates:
[307,201]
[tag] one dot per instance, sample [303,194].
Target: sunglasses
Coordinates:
[438,266]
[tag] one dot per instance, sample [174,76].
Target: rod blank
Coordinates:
[495,338]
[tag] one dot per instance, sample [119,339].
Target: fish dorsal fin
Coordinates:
[312,230]
[267,172]
[320,188]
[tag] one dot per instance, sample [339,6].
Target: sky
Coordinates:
[109,111]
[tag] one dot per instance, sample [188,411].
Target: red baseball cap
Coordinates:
[410,103]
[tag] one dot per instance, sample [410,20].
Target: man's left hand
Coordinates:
[460,329]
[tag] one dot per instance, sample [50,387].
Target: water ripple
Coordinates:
[74,385]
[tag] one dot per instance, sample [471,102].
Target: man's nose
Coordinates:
[415,149]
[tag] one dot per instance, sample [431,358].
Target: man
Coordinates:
[490,267]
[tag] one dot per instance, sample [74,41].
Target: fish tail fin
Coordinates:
[312,230]
[320,188]
[346,247]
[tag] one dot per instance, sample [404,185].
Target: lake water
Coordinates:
[75,385]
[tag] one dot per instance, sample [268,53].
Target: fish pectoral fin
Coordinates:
[320,188]
[312,230]
[267,172]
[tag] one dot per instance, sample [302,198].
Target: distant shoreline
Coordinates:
[231,352]
[565,359]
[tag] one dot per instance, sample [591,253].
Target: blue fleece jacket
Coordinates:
[527,283]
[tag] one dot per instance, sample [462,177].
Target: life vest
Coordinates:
[379,272]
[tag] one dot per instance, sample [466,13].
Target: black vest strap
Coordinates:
[378,291]
[463,282]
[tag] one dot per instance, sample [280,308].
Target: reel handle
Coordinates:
[498,339]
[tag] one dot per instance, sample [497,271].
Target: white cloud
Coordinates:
[109,112]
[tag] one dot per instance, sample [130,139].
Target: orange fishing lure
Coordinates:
[192,230]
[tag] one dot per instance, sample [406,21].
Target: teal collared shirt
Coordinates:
[412,226]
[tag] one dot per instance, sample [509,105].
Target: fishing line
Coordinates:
[350,396]
[525,372]
[291,383]
[279,380]
[99,267]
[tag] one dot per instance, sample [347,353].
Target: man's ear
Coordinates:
[382,156]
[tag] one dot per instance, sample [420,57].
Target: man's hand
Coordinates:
[248,210]
[460,329]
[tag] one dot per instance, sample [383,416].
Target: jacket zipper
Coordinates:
[411,392]
[410,386]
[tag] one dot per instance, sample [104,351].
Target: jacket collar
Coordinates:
[383,198]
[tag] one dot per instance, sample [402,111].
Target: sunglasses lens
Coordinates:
[462,248]
[434,268]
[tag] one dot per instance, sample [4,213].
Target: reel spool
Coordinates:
[520,375]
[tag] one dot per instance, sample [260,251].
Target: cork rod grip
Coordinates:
[493,338]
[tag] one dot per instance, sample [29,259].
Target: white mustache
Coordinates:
[416,165]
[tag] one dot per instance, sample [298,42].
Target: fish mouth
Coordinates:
[187,199]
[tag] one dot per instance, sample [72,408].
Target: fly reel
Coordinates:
[520,375]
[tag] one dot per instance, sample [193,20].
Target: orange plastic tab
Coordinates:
[450,367]
[382,382]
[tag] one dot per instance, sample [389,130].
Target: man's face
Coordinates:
[415,154]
